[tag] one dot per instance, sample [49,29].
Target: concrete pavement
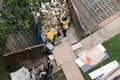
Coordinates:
[101,35]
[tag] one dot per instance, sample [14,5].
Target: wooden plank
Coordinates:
[71,71]
[63,53]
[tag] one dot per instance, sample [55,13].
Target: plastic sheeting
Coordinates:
[21,74]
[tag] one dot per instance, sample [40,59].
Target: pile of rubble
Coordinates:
[51,12]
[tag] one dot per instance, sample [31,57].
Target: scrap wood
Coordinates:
[51,12]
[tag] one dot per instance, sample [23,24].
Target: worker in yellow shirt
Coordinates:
[51,34]
[64,22]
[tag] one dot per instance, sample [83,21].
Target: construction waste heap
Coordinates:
[51,12]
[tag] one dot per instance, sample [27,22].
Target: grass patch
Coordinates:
[113,49]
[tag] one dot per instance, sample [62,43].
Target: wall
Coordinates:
[25,54]
[75,21]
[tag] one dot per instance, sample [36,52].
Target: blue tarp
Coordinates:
[37,32]
[40,39]
[87,67]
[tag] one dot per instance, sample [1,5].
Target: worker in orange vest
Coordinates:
[64,22]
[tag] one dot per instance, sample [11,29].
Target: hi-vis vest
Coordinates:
[64,23]
[50,35]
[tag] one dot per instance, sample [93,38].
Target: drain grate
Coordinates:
[100,9]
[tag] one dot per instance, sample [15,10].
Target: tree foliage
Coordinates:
[15,14]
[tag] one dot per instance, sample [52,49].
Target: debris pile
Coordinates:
[51,12]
